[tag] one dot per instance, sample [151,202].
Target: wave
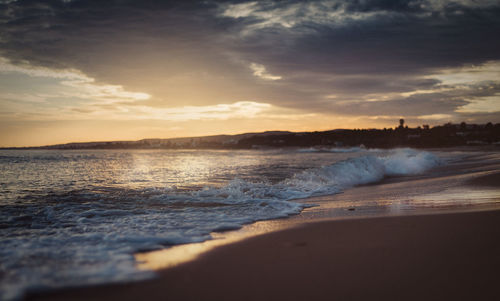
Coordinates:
[329,179]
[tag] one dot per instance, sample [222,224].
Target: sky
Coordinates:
[94,70]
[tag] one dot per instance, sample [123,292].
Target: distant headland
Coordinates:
[446,135]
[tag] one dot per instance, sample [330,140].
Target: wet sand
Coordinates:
[452,256]
[396,244]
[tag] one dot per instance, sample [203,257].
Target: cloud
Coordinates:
[239,10]
[84,86]
[49,94]
[37,71]
[260,71]
[241,109]
[435,117]
[488,104]
[469,75]
[294,14]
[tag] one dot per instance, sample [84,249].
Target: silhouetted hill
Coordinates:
[216,141]
[447,135]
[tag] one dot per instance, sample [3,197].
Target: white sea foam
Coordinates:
[329,179]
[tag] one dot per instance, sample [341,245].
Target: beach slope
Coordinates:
[450,256]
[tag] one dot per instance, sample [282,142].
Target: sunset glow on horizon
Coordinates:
[75,71]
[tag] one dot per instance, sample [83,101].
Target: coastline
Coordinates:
[388,240]
[420,257]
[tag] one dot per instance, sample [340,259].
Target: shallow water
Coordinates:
[76,217]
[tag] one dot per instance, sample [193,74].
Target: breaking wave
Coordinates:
[329,179]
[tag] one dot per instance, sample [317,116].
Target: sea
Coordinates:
[76,217]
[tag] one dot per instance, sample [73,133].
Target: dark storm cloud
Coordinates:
[446,102]
[347,48]
[425,104]
[395,41]
[58,32]
[408,35]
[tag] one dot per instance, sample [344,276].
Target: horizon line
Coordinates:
[244,133]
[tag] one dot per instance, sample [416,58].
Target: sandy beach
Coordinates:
[452,256]
[404,250]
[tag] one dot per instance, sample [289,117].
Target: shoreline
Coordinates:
[417,257]
[399,207]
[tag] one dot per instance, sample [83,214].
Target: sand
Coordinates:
[452,256]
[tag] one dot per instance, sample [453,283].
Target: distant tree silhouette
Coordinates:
[401,123]
[463,126]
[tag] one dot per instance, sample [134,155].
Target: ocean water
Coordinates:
[76,217]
